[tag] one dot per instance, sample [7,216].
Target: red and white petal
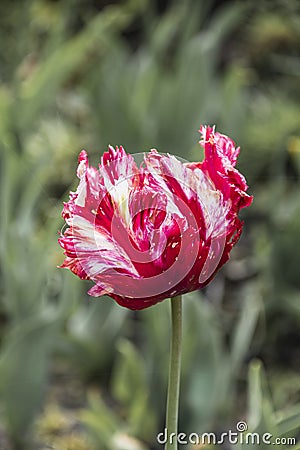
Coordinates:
[119,172]
[95,250]
[218,164]
[161,230]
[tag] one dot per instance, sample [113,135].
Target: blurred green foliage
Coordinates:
[145,74]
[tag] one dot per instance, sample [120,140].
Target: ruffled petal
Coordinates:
[219,165]
[120,175]
[146,233]
[192,193]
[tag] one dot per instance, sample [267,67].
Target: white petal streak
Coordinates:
[155,167]
[193,182]
[214,208]
[118,177]
[97,251]
[81,193]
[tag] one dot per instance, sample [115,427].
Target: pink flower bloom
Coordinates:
[163,228]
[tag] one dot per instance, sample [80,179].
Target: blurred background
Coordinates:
[78,373]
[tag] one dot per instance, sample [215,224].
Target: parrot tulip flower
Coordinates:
[161,227]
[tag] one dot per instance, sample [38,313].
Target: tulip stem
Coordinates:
[174,374]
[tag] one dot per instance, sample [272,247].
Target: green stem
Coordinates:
[174,374]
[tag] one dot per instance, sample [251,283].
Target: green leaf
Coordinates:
[23,372]
[100,419]
[130,388]
[288,421]
[261,416]
[245,327]
[128,377]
